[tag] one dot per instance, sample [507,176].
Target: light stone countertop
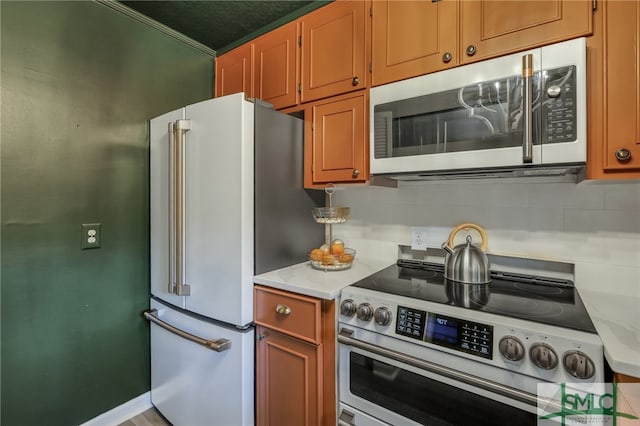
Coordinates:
[303,279]
[617,321]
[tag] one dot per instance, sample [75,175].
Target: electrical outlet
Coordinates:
[91,235]
[418,238]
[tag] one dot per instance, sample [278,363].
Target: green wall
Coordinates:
[79,82]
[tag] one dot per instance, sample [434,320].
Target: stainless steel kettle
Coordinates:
[467,263]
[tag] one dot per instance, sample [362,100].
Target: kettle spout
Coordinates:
[445,247]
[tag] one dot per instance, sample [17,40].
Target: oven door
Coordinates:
[400,388]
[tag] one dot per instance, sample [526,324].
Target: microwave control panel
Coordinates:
[559,115]
[465,336]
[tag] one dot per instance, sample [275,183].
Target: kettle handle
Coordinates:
[478,228]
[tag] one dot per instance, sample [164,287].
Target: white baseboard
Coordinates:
[123,412]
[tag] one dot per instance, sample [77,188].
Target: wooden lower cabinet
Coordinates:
[287,382]
[295,359]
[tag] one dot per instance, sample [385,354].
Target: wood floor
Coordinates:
[151,417]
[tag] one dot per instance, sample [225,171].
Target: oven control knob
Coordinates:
[543,356]
[382,316]
[348,308]
[511,348]
[365,312]
[579,365]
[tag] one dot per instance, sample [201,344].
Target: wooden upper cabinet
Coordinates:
[234,73]
[492,28]
[614,91]
[411,38]
[334,46]
[336,148]
[276,66]
[622,85]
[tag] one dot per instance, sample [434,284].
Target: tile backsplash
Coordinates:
[595,225]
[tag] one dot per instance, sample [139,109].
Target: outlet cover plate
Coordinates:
[91,235]
[419,238]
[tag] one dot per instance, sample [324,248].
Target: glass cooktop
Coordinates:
[544,300]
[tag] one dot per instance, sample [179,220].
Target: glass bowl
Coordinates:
[330,214]
[332,262]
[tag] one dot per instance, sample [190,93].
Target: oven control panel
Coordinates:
[462,335]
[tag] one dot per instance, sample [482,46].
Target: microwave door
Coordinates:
[463,118]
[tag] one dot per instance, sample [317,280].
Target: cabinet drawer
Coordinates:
[292,314]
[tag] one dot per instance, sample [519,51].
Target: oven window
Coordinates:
[427,401]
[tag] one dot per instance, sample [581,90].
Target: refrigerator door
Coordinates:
[192,385]
[159,206]
[219,209]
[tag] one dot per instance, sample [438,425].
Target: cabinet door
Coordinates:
[234,73]
[334,50]
[276,66]
[491,28]
[621,51]
[287,380]
[338,140]
[412,38]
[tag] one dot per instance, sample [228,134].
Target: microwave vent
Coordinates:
[571,173]
[382,134]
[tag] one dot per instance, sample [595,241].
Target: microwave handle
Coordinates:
[527,107]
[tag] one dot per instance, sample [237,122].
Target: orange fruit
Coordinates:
[316,255]
[327,259]
[337,247]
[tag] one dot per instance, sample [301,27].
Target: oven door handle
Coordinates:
[345,336]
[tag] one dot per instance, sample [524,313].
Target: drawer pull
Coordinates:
[283,309]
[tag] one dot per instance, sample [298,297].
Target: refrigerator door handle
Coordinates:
[217,345]
[172,202]
[179,164]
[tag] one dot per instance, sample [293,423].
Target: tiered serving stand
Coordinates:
[330,216]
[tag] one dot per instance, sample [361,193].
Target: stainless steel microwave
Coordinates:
[522,111]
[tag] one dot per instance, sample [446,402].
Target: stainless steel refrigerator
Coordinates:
[227,202]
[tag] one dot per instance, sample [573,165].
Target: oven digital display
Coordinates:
[441,329]
[464,336]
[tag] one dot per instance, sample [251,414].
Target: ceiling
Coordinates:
[221,24]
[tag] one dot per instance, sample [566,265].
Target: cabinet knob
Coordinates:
[471,50]
[355,173]
[623,154]
[355,81]
[283,309]
[446,58]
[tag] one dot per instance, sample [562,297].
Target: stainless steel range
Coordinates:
[415,348]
